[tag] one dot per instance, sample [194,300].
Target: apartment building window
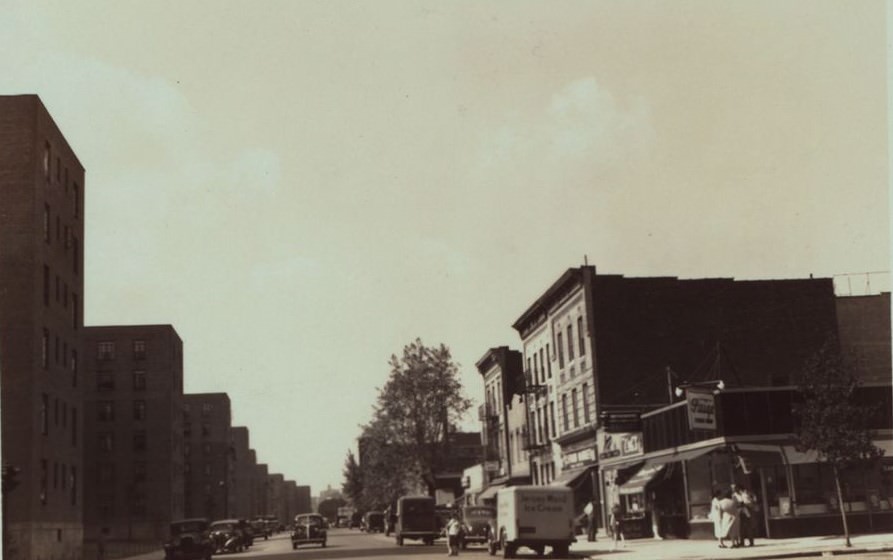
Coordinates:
[55,475]
[545,412]
[46,223]
[139,380]
[58,169]
[105,350]
[206,409]
[56,413]
[539,425]
[75,255]
[206,449]
[580,336]
[74,368]
[585,403]
[76,200]
[564,416]
[536,369]
[106,411]
[74,486]
[65,293]
[67,237]
[139,349]
[44,414]
[74,311]
[139,410]
[46,286]
[139,440]
[105,381]
[207,469]
[74,426]
[552,417]
[206,430]
[139,471]
[549,360]
[46,160]
[106,442]
[56,350]
[529,370]
[574,406]
[570,342]
[45,349]
[559,345]
[58,227]
[44,476]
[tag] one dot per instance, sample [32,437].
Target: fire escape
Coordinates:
[490,440]
[529,439]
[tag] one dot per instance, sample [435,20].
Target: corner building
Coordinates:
[133,431]
[41,316]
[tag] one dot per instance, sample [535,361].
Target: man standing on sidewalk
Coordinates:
[589,510]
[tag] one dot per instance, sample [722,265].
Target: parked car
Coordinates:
[416,520]
[189,539]
[373,522]
[310,528]
[477,522]
[227,536]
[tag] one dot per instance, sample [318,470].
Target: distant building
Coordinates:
[262,490]
[277,501]
[41,315]
[864,332]
[304,501]
[243,464]
[133,431]
[330,493]
[209,455]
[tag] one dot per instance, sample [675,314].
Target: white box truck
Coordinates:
[535,517]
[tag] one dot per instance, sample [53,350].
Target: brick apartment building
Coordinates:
[209,455]
[276,500]
[244,462]
[41,306]
[261,490]
[304,503]
[133,431]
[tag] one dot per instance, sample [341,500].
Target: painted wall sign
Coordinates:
[701,409]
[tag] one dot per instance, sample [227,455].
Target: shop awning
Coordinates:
[758,454]
[686,455]
[490,492]
[570,477]
[641,479]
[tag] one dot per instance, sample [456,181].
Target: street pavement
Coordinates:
[352,544]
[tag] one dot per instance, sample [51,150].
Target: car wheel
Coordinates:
[540,550]
[294,546]
[323,544]
[399,541]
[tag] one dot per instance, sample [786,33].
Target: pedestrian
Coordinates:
[715,516]
[730,525]
[747,508]
[589,510]
[616,527]
[453,531]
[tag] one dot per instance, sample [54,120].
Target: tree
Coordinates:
[830,421]
[407,440]
[352,487]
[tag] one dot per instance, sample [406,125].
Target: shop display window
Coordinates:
[778,495]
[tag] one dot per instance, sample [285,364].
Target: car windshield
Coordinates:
[192,527]
[413,507]
[315,521]
[478,512]
[221,526]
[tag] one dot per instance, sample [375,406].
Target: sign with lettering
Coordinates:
[626,444]
[701,409]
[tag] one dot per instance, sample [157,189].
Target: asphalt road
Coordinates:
[349,544]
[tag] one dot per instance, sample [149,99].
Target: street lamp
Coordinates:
[719,385]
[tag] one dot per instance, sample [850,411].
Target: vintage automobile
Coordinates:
[416,520]
[373,522]
[310,528]
[189,540]
[259,526]
[477,522]
[228,536]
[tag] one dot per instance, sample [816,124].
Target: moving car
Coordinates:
[310,528]
[373,522]
[416,519]
[476,524]
[534,517]
[259,527]
[189,540]
[227,535]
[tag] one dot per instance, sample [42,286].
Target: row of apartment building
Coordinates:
[97,434]
[599,398]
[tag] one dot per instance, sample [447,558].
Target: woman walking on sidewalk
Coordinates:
[616,529]
[715,516]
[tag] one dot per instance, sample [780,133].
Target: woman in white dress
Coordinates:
[715,516]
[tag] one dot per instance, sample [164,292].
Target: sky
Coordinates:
[303,188]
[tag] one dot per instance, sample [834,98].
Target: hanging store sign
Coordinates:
[612,445]
[701,409]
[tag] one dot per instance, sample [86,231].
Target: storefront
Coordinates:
[580,474]
[667,489]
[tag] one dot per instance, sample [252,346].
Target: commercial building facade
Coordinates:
[134,432]
[41,305]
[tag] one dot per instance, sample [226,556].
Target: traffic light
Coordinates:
[10,478]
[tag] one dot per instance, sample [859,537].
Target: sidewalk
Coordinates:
[649,549]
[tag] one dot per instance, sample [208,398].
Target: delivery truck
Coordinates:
[534,517]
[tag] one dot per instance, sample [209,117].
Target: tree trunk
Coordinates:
[846,529]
